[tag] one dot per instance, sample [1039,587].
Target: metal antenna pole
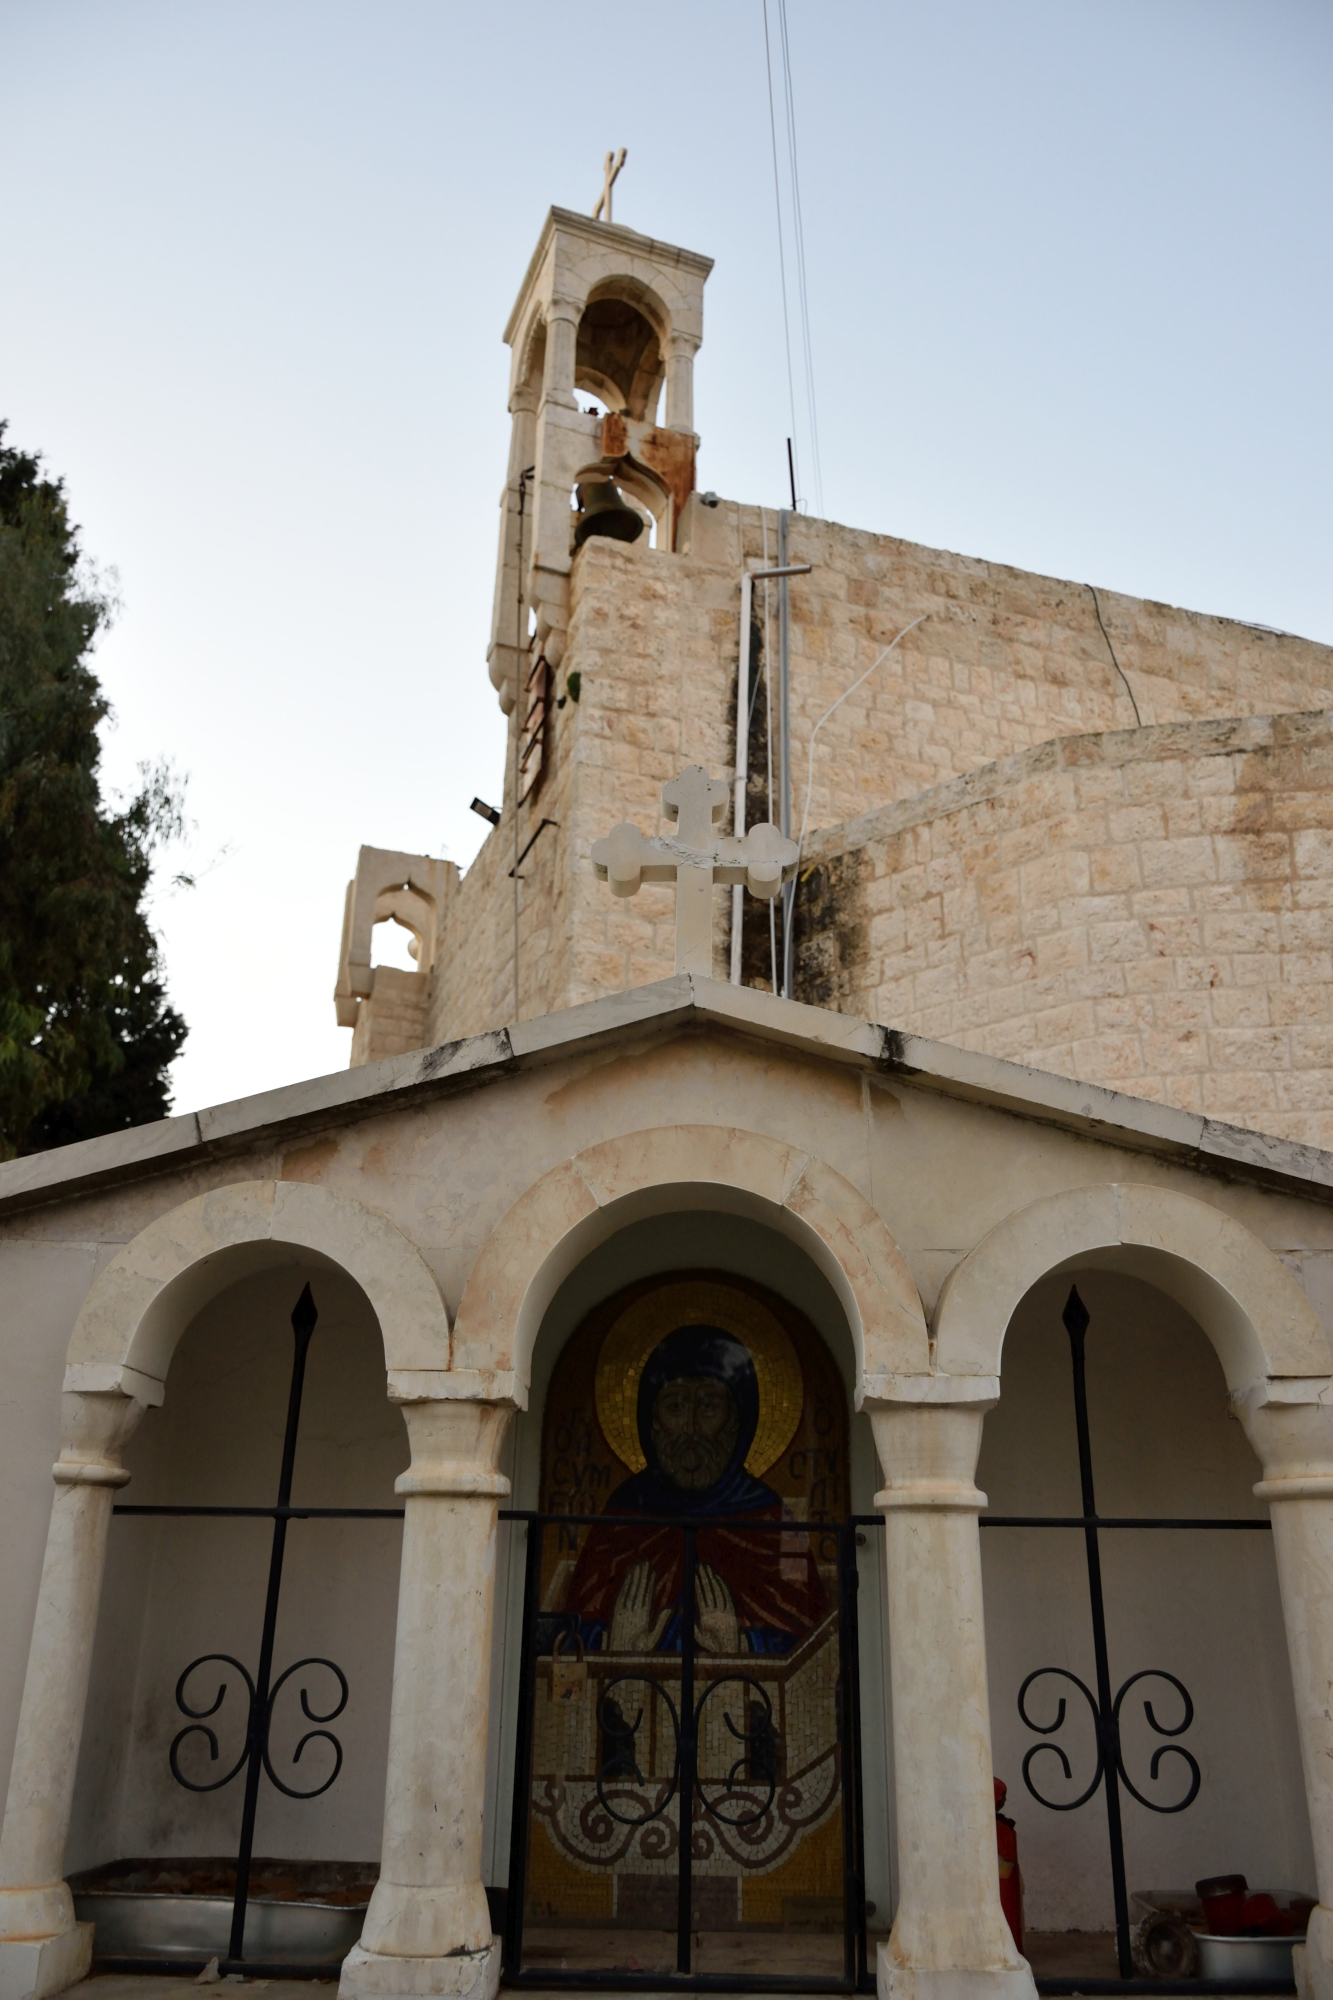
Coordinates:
[784,729]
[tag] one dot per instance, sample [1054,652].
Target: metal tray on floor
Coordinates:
[298,1912]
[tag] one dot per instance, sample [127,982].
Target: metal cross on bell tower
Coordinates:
[694,860]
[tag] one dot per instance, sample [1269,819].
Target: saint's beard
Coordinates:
[692,1462]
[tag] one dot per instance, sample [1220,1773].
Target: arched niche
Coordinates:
[684,1231]
[1200,1604]
[177,1588]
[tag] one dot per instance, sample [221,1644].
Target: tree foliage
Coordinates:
[86,1035]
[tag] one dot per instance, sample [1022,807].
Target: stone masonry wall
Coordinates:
[1147,909]
[648,639]
[1005,661]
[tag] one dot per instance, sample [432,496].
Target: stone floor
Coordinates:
[163,1986]
[1072,1954]
[1086,1953]
[717,1953]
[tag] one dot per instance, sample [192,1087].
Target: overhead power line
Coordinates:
[798,245]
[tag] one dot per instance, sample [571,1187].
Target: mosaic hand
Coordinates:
[717,1630]
[633,1628]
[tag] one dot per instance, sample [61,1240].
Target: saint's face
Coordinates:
[695,1426]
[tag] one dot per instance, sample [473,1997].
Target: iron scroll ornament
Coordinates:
[259,1725]
[262,1689]
[760,1750]
[1110,1750]
[1110,1771]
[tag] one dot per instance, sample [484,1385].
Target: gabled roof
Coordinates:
[668,1007]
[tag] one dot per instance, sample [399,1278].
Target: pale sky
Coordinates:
[1068,270]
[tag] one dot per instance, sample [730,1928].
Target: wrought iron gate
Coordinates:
[657,1793]
[1109,1771]
[261,1690]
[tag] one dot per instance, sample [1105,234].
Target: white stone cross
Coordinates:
[694,858]
[610,173]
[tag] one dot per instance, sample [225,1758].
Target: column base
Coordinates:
[944,1982]
[1312,1962]
[31,1968]
[373,1975]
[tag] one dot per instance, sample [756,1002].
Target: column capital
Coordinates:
[95,1427]
[456,1446]
[1289,1422]
[929,1453]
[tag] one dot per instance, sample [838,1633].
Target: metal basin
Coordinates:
[1244,1957]
[299,1912]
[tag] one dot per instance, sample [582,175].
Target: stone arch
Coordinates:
[1251,1307]
[619,353]
[138,1308]
[631,291]
[530,351]
[586,1199]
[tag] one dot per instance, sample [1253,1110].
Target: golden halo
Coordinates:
[693,1302]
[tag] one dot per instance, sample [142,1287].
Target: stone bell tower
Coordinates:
[619,316]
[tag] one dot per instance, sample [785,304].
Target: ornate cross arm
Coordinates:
[694,857]
[625,858]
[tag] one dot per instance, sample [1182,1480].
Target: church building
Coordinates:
[773,1431]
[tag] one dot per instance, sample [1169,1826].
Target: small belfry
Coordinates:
[694,860]
[616,317]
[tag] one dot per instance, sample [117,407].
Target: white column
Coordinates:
[1292,1432]
[681,350]
[950,1940]
[428,1928]
[562,331]
[42,1949]
[505,652]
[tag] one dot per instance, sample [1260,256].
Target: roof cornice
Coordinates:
[669,1007]
[570,223]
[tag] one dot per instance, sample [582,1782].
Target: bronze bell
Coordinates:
[603,511]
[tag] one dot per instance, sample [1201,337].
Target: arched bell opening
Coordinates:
[610,1351]
[395,944]
[182,1588]
[621,502]
[618,355]
[1195,1610]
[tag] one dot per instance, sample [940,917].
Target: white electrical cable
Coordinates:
[782,256]
[798,232]
[810,762]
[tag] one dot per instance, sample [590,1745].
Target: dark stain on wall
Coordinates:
[830,940]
